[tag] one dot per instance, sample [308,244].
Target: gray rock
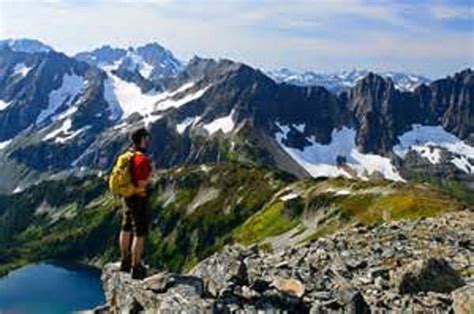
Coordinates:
[463,300]
[239,280]
[290,286]
[427,275]
[352,301]
[221,268]
[381,283]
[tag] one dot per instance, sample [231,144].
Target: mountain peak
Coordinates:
[25,45]
[150,46]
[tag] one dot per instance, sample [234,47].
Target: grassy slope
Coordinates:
[336,203]
[81,220]
[196,211]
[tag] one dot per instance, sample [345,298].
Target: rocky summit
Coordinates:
[422,266]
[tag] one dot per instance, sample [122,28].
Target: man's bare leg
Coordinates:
[137,250]
[125,239]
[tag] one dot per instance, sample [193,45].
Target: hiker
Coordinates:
[131,179]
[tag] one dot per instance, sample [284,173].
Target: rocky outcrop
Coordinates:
[160,292]
[423,265]
[383,112]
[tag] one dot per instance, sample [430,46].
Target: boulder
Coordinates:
[352,301]
[463,300]
[292,287]
[427,275]
[158,293]
[221,269]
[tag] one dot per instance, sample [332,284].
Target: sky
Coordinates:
[432,38]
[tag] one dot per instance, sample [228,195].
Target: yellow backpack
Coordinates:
[120,180]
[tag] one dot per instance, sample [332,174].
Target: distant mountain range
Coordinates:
[62,115]
[339,82]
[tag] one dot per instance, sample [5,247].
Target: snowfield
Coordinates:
[321,160]
[428,141]
[126,98]
[182,126]
[71,87]
[63,133]
[225,124]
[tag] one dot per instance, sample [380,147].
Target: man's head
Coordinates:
[141,138]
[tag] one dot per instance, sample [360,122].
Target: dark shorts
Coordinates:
[137,215]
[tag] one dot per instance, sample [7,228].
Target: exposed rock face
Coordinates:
[451,103]
[348,272]
[376,105]
[383,112]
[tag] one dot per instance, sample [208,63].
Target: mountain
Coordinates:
[241,160]
[147,65]
[63,116]
[339,82]
[25,45]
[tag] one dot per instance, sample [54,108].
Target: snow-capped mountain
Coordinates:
[339,82]
[150,61]
[60,115]
[25,45]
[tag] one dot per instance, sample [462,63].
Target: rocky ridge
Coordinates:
[422,265]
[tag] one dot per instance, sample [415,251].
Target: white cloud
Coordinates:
[444,12]
[267,33]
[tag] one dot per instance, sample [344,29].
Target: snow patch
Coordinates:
[126,98]
[4,144]
[149,118]
[226,124]
[4,105]
[63,133]
[182,126]
[21,69]
[18,189]
[427,142]
[322,160]
[300,127]
[108,67]
[289,197]
[339,191]
[71,86]
[171,102]
[145,69]
[110,97]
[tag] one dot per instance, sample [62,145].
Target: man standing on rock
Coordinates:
[137,214]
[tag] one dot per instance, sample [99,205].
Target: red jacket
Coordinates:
[141,167]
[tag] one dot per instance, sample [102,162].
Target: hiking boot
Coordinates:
[138,272]
[126,265]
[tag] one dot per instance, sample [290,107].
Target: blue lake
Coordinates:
[51,287]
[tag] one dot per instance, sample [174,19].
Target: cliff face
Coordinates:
[385,268]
